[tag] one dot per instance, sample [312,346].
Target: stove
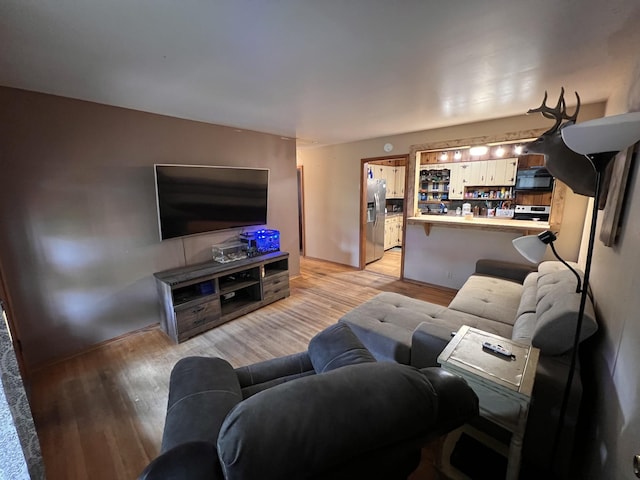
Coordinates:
[532,212]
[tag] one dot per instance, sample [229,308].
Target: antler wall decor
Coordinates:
[560,160]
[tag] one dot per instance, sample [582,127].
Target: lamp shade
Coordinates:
[607,134]
[530,247]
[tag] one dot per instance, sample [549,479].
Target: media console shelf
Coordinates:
[199,297]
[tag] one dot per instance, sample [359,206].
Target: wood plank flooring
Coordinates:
[389,264]
[100,414]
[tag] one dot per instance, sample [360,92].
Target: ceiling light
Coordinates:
[457,155]
[517,150]
[478,151]
[499,151]
[444,156]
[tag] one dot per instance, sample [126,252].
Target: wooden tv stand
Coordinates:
[199,297]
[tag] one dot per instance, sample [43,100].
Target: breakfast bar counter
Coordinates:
[443,249]
[496,224]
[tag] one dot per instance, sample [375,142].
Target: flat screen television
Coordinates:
[195,199]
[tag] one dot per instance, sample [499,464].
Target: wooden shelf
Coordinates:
[234,286]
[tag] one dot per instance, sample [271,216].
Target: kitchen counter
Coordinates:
[505,224]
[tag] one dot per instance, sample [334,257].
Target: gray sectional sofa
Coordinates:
[536,307]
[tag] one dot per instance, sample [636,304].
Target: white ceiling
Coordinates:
[325,71]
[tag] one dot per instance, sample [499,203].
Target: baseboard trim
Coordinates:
[46,364]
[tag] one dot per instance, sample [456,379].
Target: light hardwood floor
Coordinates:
[389,264]
[100,414]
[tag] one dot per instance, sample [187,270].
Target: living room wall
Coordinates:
[610,363]
[79,236]
[332,199]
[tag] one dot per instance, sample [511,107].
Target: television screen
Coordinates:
[197,199]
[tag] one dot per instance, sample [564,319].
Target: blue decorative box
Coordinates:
[261,241]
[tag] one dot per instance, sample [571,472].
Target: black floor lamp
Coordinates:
[600,141]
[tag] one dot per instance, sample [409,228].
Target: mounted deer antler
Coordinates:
[558,113]
[572,168]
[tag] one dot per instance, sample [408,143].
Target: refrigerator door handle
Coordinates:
[376,199]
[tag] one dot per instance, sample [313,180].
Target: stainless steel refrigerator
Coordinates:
[376,199]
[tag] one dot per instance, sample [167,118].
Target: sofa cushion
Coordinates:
[386,322]
[524,328]
[335,347]
[487,297]
[557,312]
[320,422]
[529,297]
[563,280]
[551,266]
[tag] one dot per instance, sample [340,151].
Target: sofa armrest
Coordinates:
[542,423]
[268,370]
[507,270]
[457,402]
[188,461]
[202,391]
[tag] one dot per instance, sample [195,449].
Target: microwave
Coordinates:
[538,179]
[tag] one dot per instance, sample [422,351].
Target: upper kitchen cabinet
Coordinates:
[398,174]
[380,172]
[459,173]
[478,173]
[502,172]
[393,177]
[489,173]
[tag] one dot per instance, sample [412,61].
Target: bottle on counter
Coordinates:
[476,211]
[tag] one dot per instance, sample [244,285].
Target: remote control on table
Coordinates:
[499,349]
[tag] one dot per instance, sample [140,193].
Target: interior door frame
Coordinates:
[13,328]
[301,218]
[363,206]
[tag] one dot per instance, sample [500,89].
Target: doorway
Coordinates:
[300,175]
[6,317]
[382,215]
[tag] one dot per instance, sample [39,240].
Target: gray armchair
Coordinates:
[329,413]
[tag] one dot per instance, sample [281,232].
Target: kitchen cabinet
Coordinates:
[391,181]
[393,177]
[506,172]
[395,181]
[495,169]
[393,231]
[477,173]
[399,225]
[389,227]
[399,174]
[456,183]
[500,172]
[380,172]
